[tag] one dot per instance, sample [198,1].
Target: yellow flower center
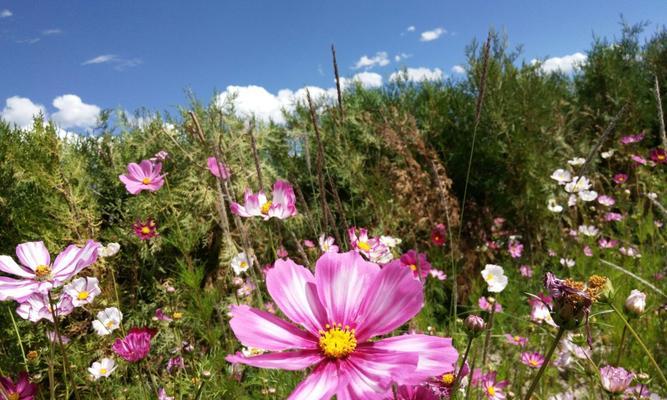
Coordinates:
[14,396]
[146,181]
[145,230]
[243,264]
[266,207]
[533,363]
[178,315]
[448,379]
[413,267]
[42,271]
[517,339]
[83,295]
[32,355]
[491,391]
[110,324]
[661,157]
[489,277]
[103,371]
[363,246]
[337,342]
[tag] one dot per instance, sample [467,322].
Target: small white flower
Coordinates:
[577,184]
[241,263]
[389,241]
[494,275]
[102,368]
[588,195]
[588,230]
[607,154]
[109,250]
[567,262]
[83,290]
[630,252]
[554,207]
[572,200]
[577,161]
[636,302]
[107,321]
[561,176]
[652,195]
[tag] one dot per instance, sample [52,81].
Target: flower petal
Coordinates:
[321,384]
[293,289]
[392,299]
[436,355]
[16,289]
[287,360]
[135,171]
[32,254]
[8,265]
[263,330]
[342,282]
[73,259]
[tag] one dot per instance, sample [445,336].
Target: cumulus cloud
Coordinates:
[20,111]
[6,13]
[74,113]
[365,79]
[379,59]
[428,36]
[565,64]
[458,69]
[417,75]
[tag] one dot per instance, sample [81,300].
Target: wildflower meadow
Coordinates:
[499,236]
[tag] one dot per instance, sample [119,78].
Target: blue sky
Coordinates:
[128,53]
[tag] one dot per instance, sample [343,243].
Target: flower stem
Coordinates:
[457,380]
[547,358]
[620,345]
[18,338]
[489,328]
[62,347]
[641,343]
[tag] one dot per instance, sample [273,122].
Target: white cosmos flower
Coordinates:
[607,154]
[588,230]
[561,176]
[241,263]
[554,207]
[572,200]
[567,262]
[107,321]
[588,195]
[577,161]
[102,368]
[110,250]
[494,275]
[83,290]
[389,241]
[577,184]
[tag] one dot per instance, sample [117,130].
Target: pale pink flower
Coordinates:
[605,243]
[83,290]
[526,271]
[281,206]
[492,388]
[308,243]
[143,176]
[606,200]
[615,379]
[38,307]
[540,309]
[485,305]
[327,244]
[515,248]
[437,274]
[613,216]
[587,251]
[632,138]
[638,160]
[532,360]
[218,168]
[372,248]
[516,340]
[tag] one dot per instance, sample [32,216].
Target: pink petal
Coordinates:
[135,171]
[73,259]
[15,289]
[32,254]
[343,280]
[146,168]
[263,330]
[239,210]
[132,186]
[321,384]
[436,354]
[8,265]
[287,360]
[293,289]
[391,300]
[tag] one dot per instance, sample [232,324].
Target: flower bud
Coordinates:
[635,303]
[474,325]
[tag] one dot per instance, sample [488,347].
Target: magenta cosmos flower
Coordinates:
[218,168]
[515,248]
[37,274]
[282,205]
[416,262]
[136,345]
[144,176]
[413,392]
[620,178]
[658,155]
[533,360]
[145,230]
[629,139]
[516,340]
[439,235]
[615,380]
[21,390]
[346,303]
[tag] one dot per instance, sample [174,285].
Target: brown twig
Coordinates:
[253,145]
[338,90]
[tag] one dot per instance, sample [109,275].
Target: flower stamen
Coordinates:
[337,341]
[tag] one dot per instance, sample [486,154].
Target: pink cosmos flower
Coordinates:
[493,389]
[417,262]
[526,271]
[161,316]
[327,244]
[372,248]
[346,303]
[282,205]
[308,243]
[413,392]
[439,235]
[615,380]
[37,274]
[540,309]
[175,364]
[639,160]
[606,200]
[144,176]
[282,252]
[658,155]
[218,168]
[53,338]
[162,395]
[605,243]
[21,390]
[613,216]
[638,392]
[532,360]
[516,340]
[38,307]
[486,306]
[145,230]
[136,345]
[437,274]
[246,289]
[620,178]
[515,248]
[160,156]
[629,139]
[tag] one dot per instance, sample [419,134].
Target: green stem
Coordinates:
[463,363]
[18,338]
[620,345]
[547,358]
[62,349]
[641,343]
[52,379]
[489,328]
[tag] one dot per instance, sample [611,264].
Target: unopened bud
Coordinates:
[474,325]
[635,304]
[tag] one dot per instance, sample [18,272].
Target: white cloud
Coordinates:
[427,36]
[411,28]
[366,79]
[104,58]
[379,59]
[458,69]
[21,111]
[401,56]
[74,113]
[49,32]
[417,75]
[29,41]
[565,64]
[120,64]
[6,13]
